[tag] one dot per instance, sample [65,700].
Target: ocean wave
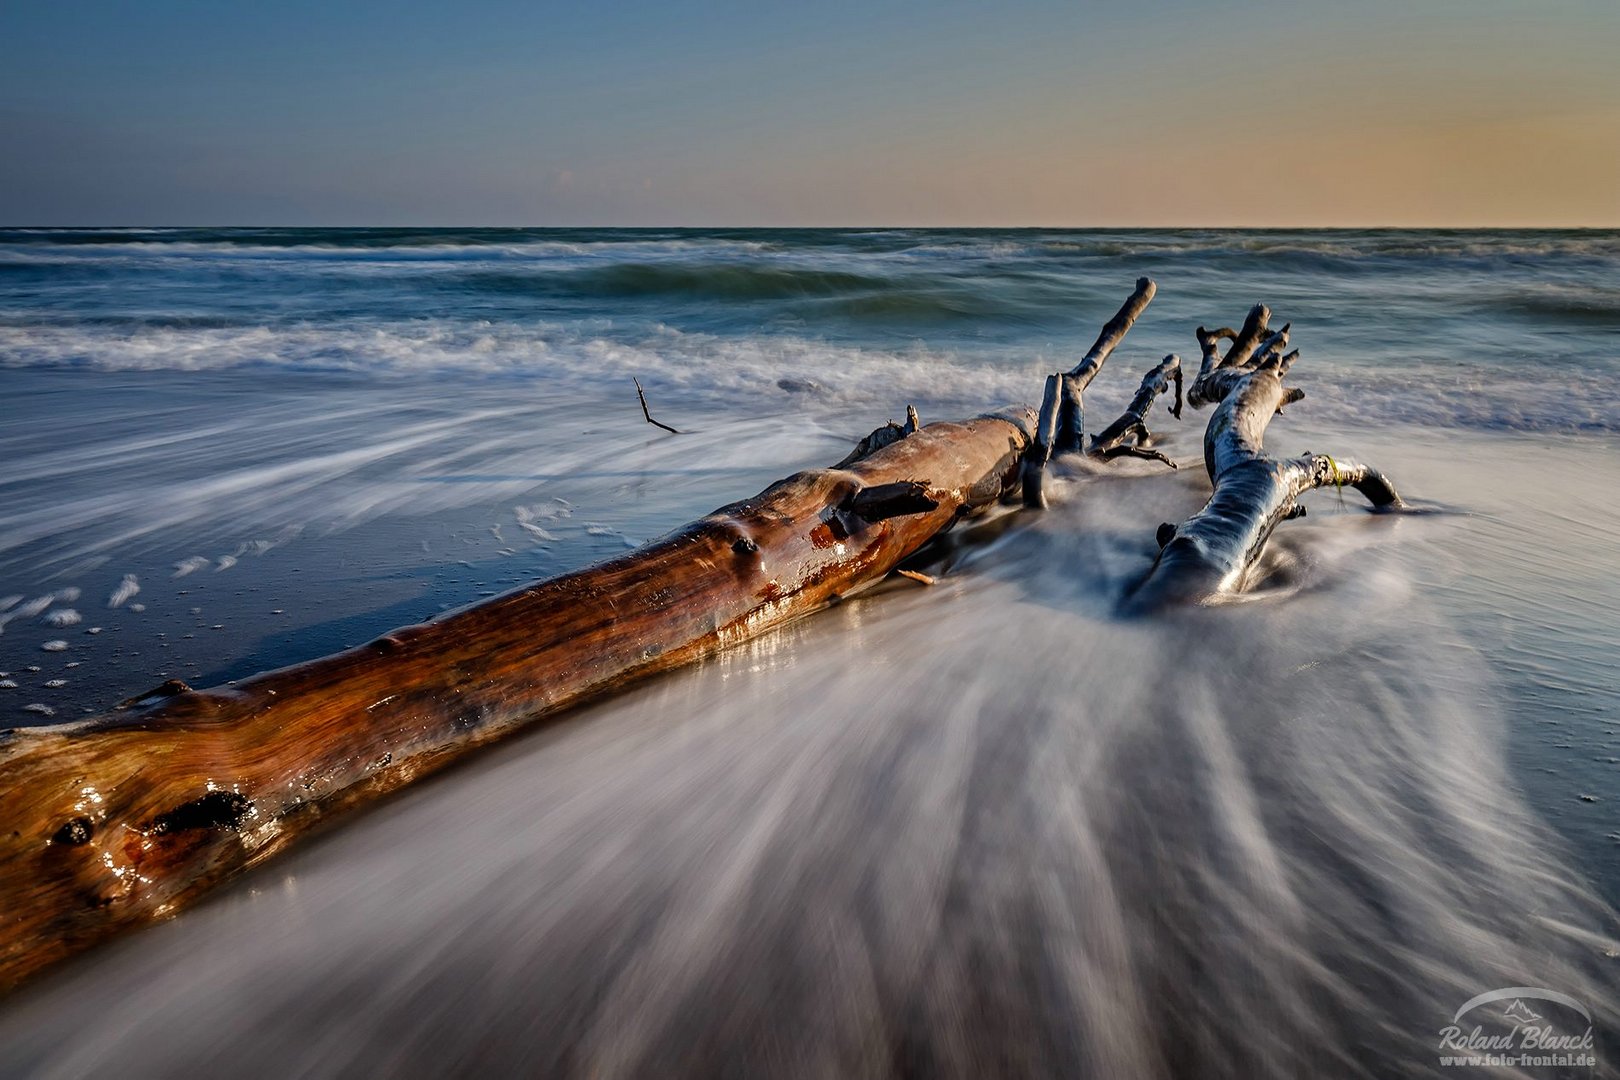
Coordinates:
[1550,399]
[904,244]
[1330,248]
[126,322]
[926,305]
[1577,302]
[968,315]
[47,249]
[703,365]
[1204,244]
[1547,395]
[707,280]
[807,292]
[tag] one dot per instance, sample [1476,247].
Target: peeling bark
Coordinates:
[886,435]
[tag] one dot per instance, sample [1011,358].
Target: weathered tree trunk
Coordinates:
[126,818]
[1063,417]
[120,820]
[1210,553]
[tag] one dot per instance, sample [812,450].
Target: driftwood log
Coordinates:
[123,819]
[126,818]
[1210,553]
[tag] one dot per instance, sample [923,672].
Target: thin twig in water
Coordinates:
[646,412]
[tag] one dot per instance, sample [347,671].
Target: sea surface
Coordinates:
[987,827]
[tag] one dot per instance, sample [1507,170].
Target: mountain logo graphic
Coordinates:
[1520,1013]
[1517,1010]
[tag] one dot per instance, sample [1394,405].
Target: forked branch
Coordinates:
[1061,427]
[1210,553]
[1129,435]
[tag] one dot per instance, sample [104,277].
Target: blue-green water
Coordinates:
[1509,330]
[984,827]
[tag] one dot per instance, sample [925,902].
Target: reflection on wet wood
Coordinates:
[1209,554]
[123,819]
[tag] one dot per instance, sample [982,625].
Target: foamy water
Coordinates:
[984,827]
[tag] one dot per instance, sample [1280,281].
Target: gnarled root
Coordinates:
[1129,435]
[1210,553]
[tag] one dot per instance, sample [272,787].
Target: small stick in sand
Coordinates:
[647,412]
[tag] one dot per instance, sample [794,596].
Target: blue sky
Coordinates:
[1444,112]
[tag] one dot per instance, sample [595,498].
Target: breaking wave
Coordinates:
[771,371]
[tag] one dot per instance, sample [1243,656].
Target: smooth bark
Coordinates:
[1210,554]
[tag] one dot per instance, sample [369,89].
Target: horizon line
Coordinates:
[871,226]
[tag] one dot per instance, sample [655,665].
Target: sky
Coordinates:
[882,112]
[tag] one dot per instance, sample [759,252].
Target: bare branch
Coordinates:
[1130,429]
[1070,434]
[646,412]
